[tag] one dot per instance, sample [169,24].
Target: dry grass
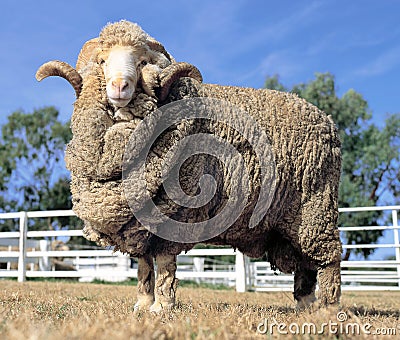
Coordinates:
[49,310]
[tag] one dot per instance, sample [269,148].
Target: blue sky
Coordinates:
[231,42]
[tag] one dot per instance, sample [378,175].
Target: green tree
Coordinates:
[371,155]
[32,172]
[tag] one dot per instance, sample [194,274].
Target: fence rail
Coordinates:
[28,254]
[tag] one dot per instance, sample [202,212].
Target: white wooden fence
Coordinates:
[31,253]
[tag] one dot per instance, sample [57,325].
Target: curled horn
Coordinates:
[61,69]
[175,71]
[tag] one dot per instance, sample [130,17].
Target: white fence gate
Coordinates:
[30,253]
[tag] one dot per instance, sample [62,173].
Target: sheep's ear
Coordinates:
[158,47]
[86,53]
[150,78]
[172,73]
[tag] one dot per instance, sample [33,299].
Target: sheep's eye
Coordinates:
[102,61]
[143,62]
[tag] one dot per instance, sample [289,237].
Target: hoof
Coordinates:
[143,304]
[158,307]
[306,302]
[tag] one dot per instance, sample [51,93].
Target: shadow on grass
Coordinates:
[364,312]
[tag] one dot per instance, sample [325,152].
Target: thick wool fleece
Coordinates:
[301,219]
[123,33]
[306,149]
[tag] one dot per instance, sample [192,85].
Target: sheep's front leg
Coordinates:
[145,287]
[329,284]
[166,283]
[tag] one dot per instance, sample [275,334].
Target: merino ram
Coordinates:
[124,78]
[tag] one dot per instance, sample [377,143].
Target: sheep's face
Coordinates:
[121,66]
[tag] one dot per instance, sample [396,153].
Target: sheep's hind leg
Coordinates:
[166,283]
[304,287]
[145,287]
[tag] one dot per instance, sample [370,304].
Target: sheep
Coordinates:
[296,228]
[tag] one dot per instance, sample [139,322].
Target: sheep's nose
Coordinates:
[119,85]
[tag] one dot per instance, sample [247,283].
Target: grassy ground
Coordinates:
[59,310]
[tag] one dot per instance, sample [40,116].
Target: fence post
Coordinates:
[396,241]
[240,272]
[198,266]
[23,228]
[44,261]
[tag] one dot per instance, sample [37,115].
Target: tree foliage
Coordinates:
[32,172]
[371,154]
